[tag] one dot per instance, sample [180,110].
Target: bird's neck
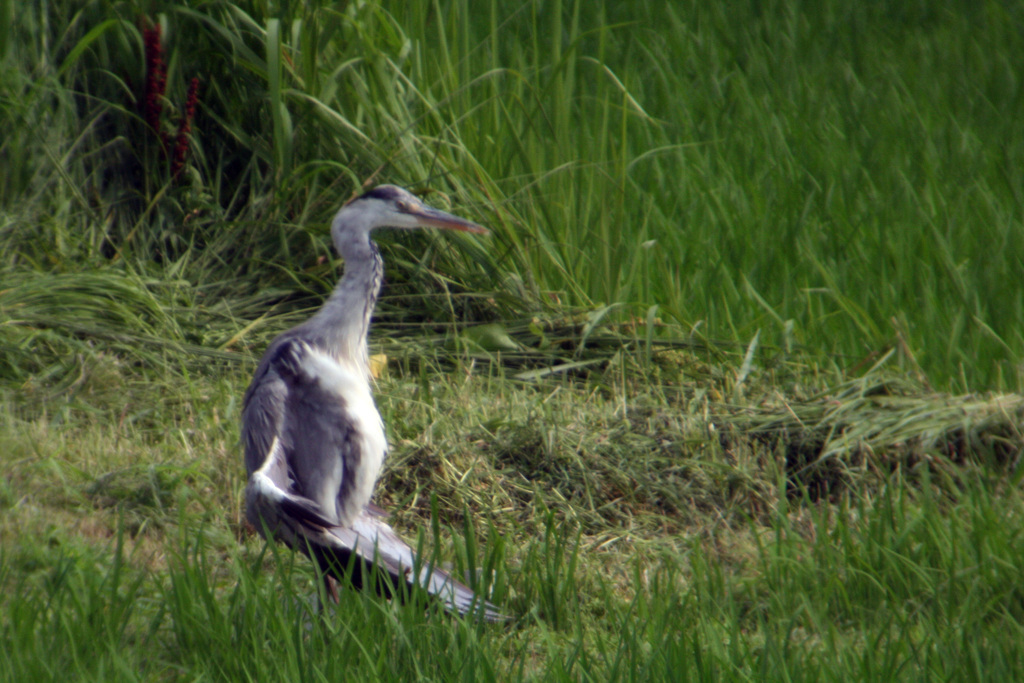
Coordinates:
[344,319]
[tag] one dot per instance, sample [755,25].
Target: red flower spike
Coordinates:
[184,128]
[156,77]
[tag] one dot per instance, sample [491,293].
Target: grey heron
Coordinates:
[314,441]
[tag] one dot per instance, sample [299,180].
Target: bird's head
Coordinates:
[390,206]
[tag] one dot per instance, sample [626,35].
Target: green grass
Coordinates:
[731,392]
[831,176]
[121,554]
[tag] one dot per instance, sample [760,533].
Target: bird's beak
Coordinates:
[436,218]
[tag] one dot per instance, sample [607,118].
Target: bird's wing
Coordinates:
[377,546]
[359,553]
[275,509]
[318,420]
[303,442]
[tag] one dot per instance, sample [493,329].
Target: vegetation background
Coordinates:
[730,392]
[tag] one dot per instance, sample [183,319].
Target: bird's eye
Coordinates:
[403,206]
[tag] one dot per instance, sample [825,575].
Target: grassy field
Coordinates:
[731,392]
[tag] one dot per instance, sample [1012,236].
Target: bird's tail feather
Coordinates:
[371,555]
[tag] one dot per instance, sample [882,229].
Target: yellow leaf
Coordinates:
[378,365]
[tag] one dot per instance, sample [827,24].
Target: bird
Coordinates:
[313,440]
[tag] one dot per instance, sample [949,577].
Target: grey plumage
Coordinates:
[314,441]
